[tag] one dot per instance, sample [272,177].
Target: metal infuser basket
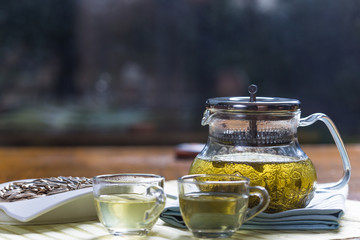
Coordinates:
[244,121]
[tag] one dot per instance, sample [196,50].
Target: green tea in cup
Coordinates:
[129,204]
[214,212]
[216,205]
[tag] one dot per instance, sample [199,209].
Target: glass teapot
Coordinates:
[257,138]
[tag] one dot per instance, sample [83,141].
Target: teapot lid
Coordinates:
[253,103]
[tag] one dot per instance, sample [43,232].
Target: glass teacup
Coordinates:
[216,205]
[129,204]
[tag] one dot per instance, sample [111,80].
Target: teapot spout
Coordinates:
[206,117]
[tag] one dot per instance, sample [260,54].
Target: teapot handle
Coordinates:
[339,143]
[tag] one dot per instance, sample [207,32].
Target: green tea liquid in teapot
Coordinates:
[257,137]
[289,181]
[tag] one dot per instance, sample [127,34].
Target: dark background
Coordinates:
[88,72]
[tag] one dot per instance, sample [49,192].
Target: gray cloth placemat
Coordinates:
[323,212]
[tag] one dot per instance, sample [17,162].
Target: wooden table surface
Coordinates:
[34,162]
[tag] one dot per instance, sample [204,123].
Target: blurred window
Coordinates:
[140,71]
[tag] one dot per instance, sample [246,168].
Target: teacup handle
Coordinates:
[339,143]
[160,197]
[264,197]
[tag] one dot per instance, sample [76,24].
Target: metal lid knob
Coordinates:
[252,89]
